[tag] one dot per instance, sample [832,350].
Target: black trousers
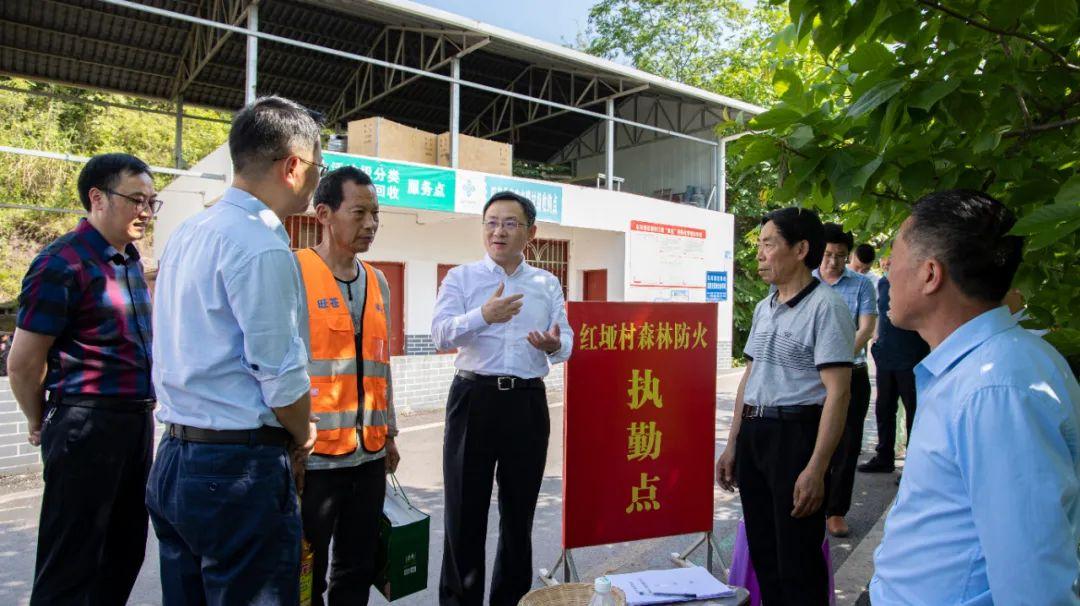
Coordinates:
[344,505]
[786,552]
[891,386]
[846,457]
[501,436]
[92,533]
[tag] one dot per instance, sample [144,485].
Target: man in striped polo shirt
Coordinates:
[789,412]
[83,338]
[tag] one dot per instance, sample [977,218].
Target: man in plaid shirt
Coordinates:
[80,371]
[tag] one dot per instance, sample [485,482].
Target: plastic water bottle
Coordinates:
[602,595]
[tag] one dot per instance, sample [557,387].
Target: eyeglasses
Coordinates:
[322,167]
[154,204]
[508,224]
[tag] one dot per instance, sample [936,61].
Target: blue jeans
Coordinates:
[228,523]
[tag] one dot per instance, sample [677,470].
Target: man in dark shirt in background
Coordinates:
[896,352]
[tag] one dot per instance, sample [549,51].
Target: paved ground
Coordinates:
[420,472]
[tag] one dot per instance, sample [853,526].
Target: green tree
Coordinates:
[82,128]
[721,46]
[717,45]
[915,96]
[679,39]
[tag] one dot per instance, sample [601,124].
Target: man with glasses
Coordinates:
[857,291]
[232,375]
[80,371]
[508,321]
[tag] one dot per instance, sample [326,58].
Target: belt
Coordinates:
[504,383]
[112,404]
[782,413]
[859,365]
[265,435]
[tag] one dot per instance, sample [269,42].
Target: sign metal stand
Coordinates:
[570,573]
[707,538]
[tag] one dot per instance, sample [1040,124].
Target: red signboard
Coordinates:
[640,422]
[667,230]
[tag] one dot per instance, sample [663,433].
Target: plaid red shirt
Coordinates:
[95,301]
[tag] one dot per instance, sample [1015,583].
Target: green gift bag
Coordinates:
[402,558]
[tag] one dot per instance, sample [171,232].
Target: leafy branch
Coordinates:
[889,194]
[1038,128]
[989,28]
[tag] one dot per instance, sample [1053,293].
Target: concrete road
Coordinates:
[420,473]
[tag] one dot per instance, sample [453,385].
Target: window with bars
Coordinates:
[552,255]
[303,231]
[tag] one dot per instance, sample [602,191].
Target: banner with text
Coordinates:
[473,190]
[402,184]
[640,416]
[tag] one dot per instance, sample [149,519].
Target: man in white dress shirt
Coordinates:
[508,321]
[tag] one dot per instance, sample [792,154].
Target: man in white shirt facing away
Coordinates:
[508,321]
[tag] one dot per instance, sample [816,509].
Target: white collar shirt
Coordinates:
[500,349]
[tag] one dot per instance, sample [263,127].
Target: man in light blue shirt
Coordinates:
[231,376]
[988,511]
[858,294]
[508,321]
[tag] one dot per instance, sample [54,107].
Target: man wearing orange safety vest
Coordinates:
[347,330]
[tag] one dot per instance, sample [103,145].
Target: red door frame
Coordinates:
[395,278]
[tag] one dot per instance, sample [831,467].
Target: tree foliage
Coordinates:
[916,96]
[82,128]
[875,103]
[721,46]
[680,39]
[717,45]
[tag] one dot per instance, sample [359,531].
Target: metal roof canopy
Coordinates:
[351,59]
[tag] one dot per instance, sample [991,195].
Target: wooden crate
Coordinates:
[478,154]
[382,138]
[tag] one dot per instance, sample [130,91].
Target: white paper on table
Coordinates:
[655,586]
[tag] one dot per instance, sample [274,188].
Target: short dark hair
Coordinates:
[526,205]
[967,231]
[865,253]
[798,224]
[332,185]
[835,234]
[268,128]
[104,172]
